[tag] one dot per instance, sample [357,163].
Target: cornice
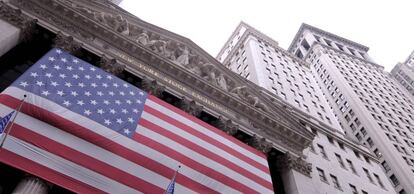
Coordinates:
[257,34]
[304,27]
[317,44]
[275,126]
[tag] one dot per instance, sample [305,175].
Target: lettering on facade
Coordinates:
[171,82]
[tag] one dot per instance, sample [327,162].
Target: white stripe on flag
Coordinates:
[94,151]
[205,145]
[64,166]
[124,141]
[198,157]
[207,132]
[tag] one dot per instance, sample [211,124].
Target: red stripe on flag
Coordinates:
[43,172]
[206,125]
[104,143]
[206,138]
[205,153]
[194,164]
[83,160]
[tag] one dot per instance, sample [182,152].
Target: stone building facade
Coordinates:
[404,73]
[339,164]
[168,65]
[370,105]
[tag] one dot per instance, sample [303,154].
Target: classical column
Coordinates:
[14,27]
[31,184]
[67,43]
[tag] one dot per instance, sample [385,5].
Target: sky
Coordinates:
[386,27]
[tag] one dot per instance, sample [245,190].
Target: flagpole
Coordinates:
[175,174]
[17,110]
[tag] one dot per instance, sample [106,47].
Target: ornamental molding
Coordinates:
[226,125]
[67,43]
[107,29]
[152,87]
[321,32]
[289,162]
[16,17]
[260,143]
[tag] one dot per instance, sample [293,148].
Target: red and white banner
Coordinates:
[77,152]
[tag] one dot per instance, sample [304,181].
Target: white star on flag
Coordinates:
[24,84]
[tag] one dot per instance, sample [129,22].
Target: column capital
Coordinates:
[226,125]
[190,106]
[152,87]
[110,65]
[260,144]
[16,17]
[68,43]
[288,161]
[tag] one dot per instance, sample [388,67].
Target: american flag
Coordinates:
[90,132]
[4,121]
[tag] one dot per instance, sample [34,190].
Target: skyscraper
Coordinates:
[369,105]
[338,163]
[404,73]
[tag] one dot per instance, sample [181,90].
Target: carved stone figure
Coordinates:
[121,25]
[196,69]
[222,82]
[118,23]
[241,92]
[143,38]
[184,58]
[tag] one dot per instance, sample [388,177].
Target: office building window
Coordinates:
[353,189]
[335,182]
[385,166]
[394,180]
[368,175]
[379,180]
[321,175]
[351,166]
[340,161]
[322,151]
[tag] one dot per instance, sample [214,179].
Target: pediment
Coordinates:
[183,54]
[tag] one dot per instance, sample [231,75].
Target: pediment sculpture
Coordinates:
[178,53]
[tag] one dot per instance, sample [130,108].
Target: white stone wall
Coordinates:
[345,176]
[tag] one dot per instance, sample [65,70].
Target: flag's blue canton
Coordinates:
[4,121]
[86,90]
